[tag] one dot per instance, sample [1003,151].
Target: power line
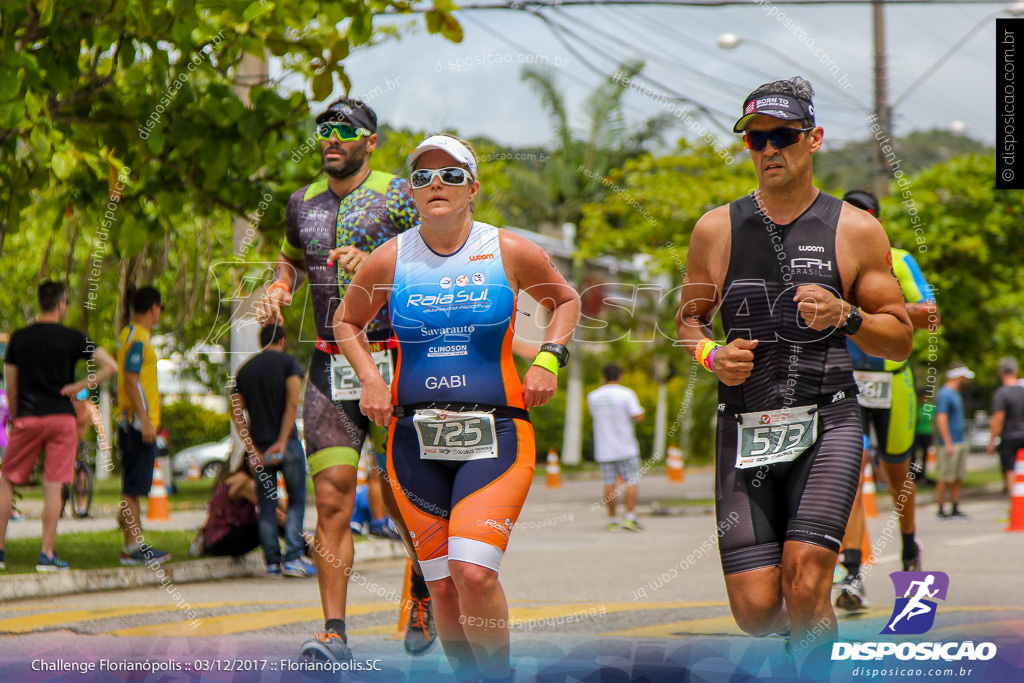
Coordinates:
[553,25]
[527,5]
[571,76]
[714,79]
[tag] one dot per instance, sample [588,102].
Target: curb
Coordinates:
[46,584]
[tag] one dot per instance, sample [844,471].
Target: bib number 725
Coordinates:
[462,433]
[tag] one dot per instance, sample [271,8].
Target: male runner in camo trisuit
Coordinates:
[789,266]
[352,211]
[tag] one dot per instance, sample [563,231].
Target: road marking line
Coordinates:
[704,627]
[43,620]
[38,622]
[240,623]
[989,629]
[975,539]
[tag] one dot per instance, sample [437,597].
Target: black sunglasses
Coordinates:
[779,137]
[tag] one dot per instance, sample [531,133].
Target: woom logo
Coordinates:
[481,257]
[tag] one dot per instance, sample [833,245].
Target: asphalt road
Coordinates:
[571,585]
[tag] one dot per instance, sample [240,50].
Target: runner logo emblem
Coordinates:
[478,278]
[914,613]
[462,281]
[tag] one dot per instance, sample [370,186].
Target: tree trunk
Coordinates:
[129,268]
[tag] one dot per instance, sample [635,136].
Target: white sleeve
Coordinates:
[634,405]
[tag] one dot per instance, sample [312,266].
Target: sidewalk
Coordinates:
[581,490]
[23,586]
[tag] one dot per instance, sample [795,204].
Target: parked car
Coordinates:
[978,431]
[210,457]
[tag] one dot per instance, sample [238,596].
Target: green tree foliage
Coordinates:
[966,237]
[189,424]
[852,165]
[556,191]
[128,142]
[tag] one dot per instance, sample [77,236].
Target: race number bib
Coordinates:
[447,435]
[875,388]
[775,436]
[344,383]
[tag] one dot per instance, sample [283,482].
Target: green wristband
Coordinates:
[548,361]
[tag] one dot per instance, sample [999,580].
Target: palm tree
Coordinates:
[546,197]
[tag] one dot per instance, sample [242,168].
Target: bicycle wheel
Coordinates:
[81,492]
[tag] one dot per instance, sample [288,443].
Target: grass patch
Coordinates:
[189,495]
[983,478]
[92,550]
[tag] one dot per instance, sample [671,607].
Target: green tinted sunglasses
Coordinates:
[346,132]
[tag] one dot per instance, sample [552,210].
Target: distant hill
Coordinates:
[850,166]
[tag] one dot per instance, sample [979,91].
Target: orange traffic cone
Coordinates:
[1017,495]
[193,471]
[868,491]
[930,458]
[403,607]
[362,471]
[674,465]
[554,470]
[867,557]
[157,510]
[282,492]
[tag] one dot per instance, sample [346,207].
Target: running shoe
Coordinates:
[613,526]
[274,571]
[942,515]
[140,557]
[329,646]
[420,632]
[632,525]
[51,563]
[959,516]
[385,530]
[914,563]
[2,565]
[298,568]
[851,594]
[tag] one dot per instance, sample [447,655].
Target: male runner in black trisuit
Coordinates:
[795,272]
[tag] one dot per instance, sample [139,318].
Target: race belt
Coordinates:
[333,349]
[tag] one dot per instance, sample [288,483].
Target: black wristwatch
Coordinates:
[559,351]
[853,321]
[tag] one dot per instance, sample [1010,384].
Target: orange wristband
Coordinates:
[279,283]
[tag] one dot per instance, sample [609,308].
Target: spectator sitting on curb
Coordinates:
[232,521]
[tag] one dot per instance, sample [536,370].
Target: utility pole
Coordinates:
[572,436]
[883,112]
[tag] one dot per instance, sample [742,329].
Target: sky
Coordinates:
[425,82]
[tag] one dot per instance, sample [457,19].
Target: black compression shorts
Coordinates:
[807,500]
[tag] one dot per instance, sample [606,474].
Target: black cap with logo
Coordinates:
[777,106]
[352,111]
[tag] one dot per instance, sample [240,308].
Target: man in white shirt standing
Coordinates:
[614,409]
